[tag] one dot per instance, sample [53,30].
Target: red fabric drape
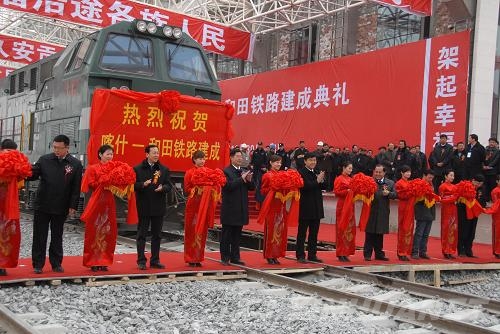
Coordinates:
[449,221]
[199,213]
[406,217]
[495,220]
[10,232]
[345,224]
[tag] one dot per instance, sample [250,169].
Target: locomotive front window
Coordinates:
[186,64]
[128,54]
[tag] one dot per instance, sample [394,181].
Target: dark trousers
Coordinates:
[466,235]
[490,184]
[374,242]
[41,223]
[438,179]
[312,239]
[230,242]
[142,232]
[422,230]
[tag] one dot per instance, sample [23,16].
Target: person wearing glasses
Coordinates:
[58,195]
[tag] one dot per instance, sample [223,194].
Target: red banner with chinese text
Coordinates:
[5,71]
[137,121]
[369,99]
[419,7]
[25,51]
[212,36]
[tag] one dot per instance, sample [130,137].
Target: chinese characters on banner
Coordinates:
[419,7]
[138,121]
[369,99]
[5,71]
[25,51]
[102,13]
[447,90]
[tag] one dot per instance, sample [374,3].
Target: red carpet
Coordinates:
[327,235]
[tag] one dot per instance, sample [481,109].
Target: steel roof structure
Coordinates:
[255,16]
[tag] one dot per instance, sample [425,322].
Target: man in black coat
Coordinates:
[424,217]
[234,208]
[440,160]
[58,194]
[378,222]
[474,157]
[310,209]
[151,187]
[490,169]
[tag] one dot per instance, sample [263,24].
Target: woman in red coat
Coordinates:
[345,231]
[275,231]
[406,214]
[101,229]
[449,227]
[495,219]
[194,246]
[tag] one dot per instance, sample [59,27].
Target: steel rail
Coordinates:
[415,317]
[13,324]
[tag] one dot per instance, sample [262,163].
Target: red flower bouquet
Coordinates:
[14,164]
[117,174]
[205,176]
[286,180]
[466,190]
[169,101]
[423,191]
[362,185]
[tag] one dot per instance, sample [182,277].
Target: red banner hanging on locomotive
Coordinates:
[212,36]
[138,120]
[414,92]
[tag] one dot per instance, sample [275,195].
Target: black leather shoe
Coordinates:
[224,262]
[198,264]
[368,258]
[416,257]
[403,258]
[270,261]
[58,269]
[471,255]
[94,268]
[142,266]
[241,263]
[3,272]
[497,256]
[425,256]
[315,259]
[301,260]
[103,268]
[192,264]
[157,266]
[382,258]
[276,261]
[37,270]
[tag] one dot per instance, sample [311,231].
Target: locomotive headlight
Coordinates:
[167,31]
[141,26]
[152,28]
[177,33]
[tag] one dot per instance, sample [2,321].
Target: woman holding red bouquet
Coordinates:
[495,218]
[14,166]
[275,231]
[203,186]
[104,179]
[345,230]
[406,213]
[449,230]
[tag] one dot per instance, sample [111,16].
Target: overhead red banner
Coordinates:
[413,92]
[102,13]
[139,120]
[5,71]
[418,7]
[25,51]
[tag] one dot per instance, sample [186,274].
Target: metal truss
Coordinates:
[255,16]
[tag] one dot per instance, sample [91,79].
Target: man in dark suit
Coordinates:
[440,160]
[310,210]
[58,194]
[234,208]
[151,186]
[378,222]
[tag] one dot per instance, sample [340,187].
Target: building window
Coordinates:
[395,27]
[302,47]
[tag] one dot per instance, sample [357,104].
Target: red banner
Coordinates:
[369,99]
[25,51]
[212,36]
[5,71]
[138,121]
[419,7]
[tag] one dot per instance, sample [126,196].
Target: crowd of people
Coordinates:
[289,187]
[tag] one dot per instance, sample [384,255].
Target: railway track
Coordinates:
[11,323]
